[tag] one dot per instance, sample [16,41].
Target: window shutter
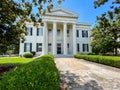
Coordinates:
[86,33]
[77,33]
[24,47]
[36,47]
[82,33]
[41,46]
[37,31]
[83,47]
[78,49]
[87,47]
[31,31]
[30,47]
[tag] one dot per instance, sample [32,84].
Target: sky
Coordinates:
[85,9]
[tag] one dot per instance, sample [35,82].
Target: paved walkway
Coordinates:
[78,74]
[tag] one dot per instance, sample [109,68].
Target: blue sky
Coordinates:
[85,8]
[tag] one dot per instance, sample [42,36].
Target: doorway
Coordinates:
[59,48]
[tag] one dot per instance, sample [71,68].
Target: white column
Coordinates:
[65,38]
[54,37]
[46,29]
[74,39]
[34,41]
[44,40]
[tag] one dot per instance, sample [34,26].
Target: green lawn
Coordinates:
[14,60]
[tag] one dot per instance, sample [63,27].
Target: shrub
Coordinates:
[33,52]
[107,60]
[28,55]
[48,55]
[40,74]
[91,53]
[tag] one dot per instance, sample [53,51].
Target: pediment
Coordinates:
[62,12]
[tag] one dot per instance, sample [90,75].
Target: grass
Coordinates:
[40,74]
[107,60]
[14,60]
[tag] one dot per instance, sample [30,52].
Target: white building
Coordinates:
[61,34]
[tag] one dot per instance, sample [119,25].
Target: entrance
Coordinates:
[58,48]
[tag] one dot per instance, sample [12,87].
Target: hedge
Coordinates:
[40,74]
[107,60]
[28,55]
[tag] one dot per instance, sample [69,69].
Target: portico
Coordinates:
[59,36]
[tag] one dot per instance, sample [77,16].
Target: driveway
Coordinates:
[78,74]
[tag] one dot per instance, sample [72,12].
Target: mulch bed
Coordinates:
[5,68]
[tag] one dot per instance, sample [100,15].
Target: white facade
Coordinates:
[61,34]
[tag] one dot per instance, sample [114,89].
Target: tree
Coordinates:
[14,14]
[102,42]
[107,28]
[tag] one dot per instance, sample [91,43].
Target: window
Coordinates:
[39,31]
[27,47]
[84,33]
[58,32]
[78,48]
[29,31]
[77,32]
[68,32]
[85,48]
[39,47]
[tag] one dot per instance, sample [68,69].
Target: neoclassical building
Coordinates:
[61,34]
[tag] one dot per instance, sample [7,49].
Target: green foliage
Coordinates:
[41,74]
[48,55]
[106,31]
[107,60]
[28,55]
[13,17]
[92,53]
[3,49]
[9,49]
[102,39]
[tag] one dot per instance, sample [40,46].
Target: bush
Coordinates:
[91,53]
[40,74]
[107,60]
[28,55]
[33,52]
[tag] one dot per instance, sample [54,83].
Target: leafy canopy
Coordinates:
[107,30]
[14,14]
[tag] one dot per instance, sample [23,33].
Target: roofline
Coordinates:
[61,15]
[66,10]
[83,23]
[76,15]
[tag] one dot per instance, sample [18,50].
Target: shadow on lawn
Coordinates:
[69,81]
[5,68]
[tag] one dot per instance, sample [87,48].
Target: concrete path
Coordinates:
[76,74]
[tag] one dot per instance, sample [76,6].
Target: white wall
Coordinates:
[31,39]
[85,40]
